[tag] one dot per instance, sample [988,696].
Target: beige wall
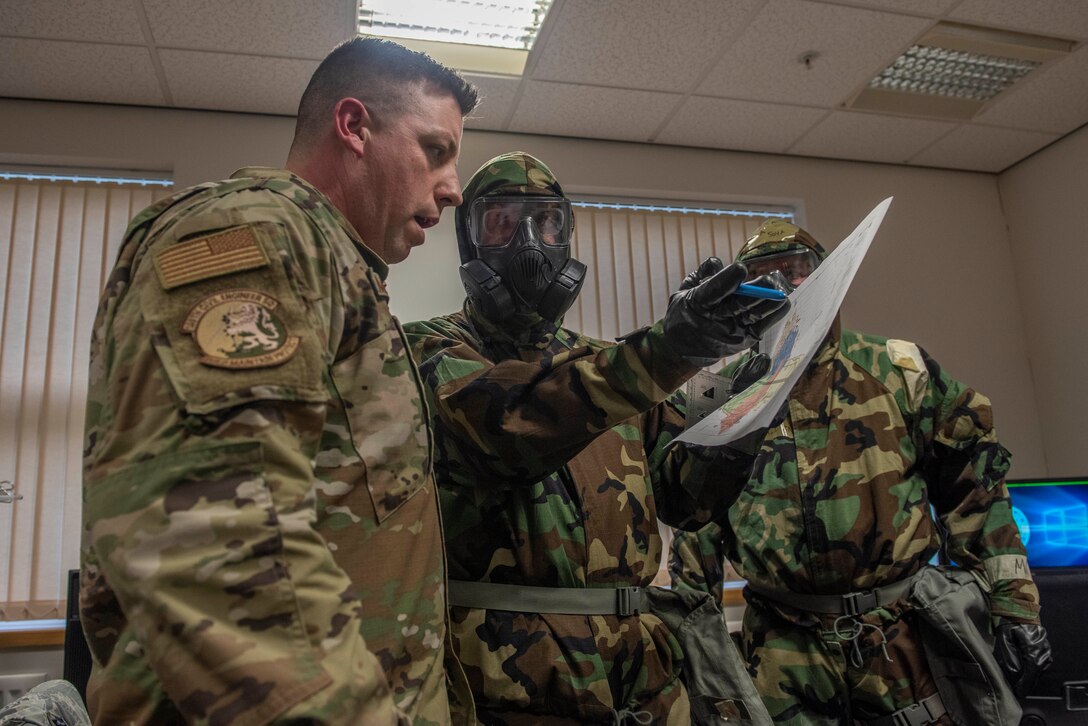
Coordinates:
[941,271]
[1046,208]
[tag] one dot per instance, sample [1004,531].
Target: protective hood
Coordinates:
[776,236]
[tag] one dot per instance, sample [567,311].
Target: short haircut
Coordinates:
[379,73]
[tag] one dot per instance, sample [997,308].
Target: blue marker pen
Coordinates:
[768,293]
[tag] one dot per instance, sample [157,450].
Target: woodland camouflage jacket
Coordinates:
[551,459]
[839,497]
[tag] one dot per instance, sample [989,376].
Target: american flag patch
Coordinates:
[222,253]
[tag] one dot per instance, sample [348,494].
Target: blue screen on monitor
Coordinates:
[1053,518]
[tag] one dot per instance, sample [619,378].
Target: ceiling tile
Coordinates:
[853,45]
[870,137]
[1055,100]
[604,70]
[1063,18]
[285,28]
[647,44]
[983,148]
[236,82]
[603,113]
[497,94]
[930,8]
[101,21]
[722,124]
[63,71]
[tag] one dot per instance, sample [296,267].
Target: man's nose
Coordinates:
[448,193]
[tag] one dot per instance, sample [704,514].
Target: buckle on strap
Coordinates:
[913,715]
[628,601]
[926,711]
[856,603]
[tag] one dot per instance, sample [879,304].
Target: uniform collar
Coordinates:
[375,262]
[830,345]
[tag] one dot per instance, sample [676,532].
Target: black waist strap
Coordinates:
[926,711]
[852,603]
[621,601]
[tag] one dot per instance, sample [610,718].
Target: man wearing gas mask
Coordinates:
[551,456]
[846,623]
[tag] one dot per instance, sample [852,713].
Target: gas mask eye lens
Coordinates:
[498,224]
[495,220]
[550,224]
[795,266]
[801,267]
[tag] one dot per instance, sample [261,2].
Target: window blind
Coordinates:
[637,254]
[59,236]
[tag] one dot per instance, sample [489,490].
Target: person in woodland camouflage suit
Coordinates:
[261,531]
[553,467]
[838,502]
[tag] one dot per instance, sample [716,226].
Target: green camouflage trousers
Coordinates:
[813,676]
[531,669]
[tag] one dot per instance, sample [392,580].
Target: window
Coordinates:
[59,235]
[638,252]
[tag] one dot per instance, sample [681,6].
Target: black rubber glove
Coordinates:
[708,321]
[749,372]
[757,366]
[1023,651]
[708,268]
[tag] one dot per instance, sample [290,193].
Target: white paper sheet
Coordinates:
[793,341]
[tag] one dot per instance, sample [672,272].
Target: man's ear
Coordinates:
[353,125]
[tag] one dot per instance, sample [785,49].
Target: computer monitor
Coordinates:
[1053,518]
[1052,515]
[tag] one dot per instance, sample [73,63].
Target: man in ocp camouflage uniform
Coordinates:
[53,703]
[553,466]
[835,520]
[261,532]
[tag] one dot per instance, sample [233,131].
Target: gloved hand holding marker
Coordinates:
[707,318]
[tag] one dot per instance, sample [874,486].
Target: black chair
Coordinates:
[77,656]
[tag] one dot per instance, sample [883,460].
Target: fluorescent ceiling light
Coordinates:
[497,24]
[955,69]
[943,72]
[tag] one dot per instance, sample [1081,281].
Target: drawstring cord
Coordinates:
[853,635]
[620,717]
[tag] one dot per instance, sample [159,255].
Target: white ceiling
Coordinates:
[708,73]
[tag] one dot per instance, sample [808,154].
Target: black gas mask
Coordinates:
[522,257]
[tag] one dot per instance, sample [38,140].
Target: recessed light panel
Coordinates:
[498,24]
[955,69]
[954,73]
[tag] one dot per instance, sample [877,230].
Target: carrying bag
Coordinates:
[954,623]
[713,671]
